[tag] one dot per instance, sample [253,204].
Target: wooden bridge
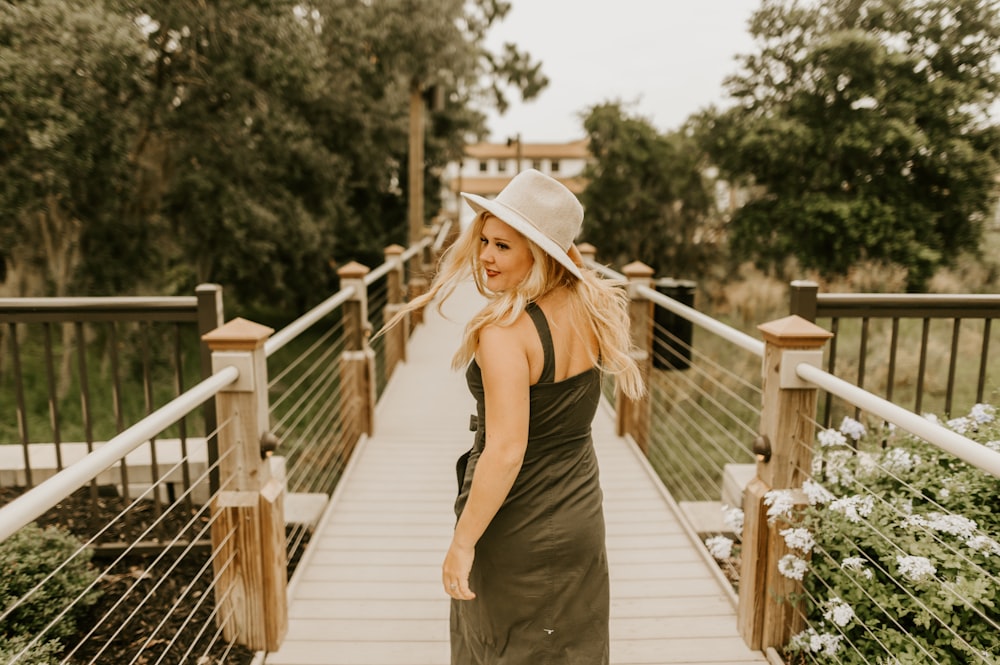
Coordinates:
[366,587]
[368,590]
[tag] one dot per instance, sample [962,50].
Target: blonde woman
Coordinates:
[527,566]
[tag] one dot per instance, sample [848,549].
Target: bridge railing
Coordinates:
[78,370]
[929,350]
[223,550]
[785,550]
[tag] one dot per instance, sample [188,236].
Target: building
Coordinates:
[488,167]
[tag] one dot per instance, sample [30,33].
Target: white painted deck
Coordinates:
[368,590]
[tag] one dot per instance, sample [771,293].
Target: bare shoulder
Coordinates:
[501,346]
[494,338]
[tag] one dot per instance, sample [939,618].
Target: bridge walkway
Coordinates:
[368,590]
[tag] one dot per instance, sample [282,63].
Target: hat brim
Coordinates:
[522,225]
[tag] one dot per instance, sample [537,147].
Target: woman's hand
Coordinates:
[455,571]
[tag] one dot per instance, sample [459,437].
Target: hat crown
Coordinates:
[539,207]
[546,203]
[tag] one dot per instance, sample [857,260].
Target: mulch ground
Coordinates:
[154,607]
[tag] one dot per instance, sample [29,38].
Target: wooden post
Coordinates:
[415,163]
[395,339]
[248,527]
[633,416]
[211,315]
[766,618]
[587,251]
[357,362]
[422,267]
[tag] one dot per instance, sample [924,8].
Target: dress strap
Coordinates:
[545,335]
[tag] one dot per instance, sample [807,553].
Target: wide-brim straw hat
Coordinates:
[542,209]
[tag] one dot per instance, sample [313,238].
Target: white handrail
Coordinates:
[381,271]
[960,446]
[296,327]
[442,235]
[33,503]
[386,266]
[740,339]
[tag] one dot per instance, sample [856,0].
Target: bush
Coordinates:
[899,554]
[41,653]
[54,562]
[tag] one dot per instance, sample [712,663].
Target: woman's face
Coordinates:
[504,254]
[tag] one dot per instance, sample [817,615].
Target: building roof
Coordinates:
[489,186]
[572,150]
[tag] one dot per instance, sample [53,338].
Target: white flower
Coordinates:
[838,612]
[792,567]
[857,565]
[915,568]
[956,525]
[799,539]
[831,437]
[852,428]
[781,503]
[733,518]
[853,507]
[993,445]
[985,544]
[838,467]
[898,460]
[960,425]
[932,418]
[983,413]
[810,640]
[719,547]
[868,466]
[816,493]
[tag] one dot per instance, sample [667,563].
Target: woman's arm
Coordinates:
[503,359]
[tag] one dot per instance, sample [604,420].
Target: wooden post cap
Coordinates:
[353,270]
[237,335]
[794,331]
[637,269]
[394,250]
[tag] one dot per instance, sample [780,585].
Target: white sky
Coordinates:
[662,59]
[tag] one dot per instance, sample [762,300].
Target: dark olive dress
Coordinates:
[540,573]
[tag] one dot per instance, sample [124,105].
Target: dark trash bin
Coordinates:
[672,333]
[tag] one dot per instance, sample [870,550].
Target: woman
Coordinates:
[527,566]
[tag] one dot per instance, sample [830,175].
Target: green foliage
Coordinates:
[70,75]
[906,556]
[49,568]
[863,129]
[253,143]
[646,198]
[42,653]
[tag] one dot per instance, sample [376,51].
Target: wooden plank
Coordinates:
[361,653]
[359,630]
[377,610]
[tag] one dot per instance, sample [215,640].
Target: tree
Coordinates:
[646,197]
[864,126]
[70,75]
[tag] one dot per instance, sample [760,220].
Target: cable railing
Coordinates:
[875,544]
[91,580]
[894,547]
[190,551]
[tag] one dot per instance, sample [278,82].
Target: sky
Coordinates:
[661,59]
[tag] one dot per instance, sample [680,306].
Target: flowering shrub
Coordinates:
[898,549]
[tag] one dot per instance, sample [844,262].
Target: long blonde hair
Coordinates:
[603,302]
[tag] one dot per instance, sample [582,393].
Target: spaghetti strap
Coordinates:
[545,335]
